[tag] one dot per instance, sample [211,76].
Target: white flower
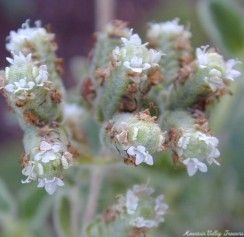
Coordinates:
[135,56]
[214,79]
[134,40]
[197,145]
[35,34]
[136,64]
[32,171]
[140,154]
[29,172]
[19,59]
[50,185]
[160,208]
[66,159]
[202,57]
[131,202]
[218,68]
[154,57]
[42,75]
[231,73]
[193,165]
[48,152]
[21,85]
[168,28]
[141,222]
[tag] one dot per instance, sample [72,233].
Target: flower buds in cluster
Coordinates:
[34,90]
[46,157]
[174,41]
[141,209]
[194,148]
[217,72]
[135,137]
[135,56]
[29,90]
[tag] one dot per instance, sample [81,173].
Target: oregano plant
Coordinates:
[135,100]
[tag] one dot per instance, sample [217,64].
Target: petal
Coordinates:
[48,156]
[45,146]
[190,166]
[10,88]
[51,188]
[41,183]
[10,60]
[141,148]
[131,202]
[59,182]
[31,84]
[149,160]
[202,167]
[56,147]
[38,156]
[131,151]
[139,159]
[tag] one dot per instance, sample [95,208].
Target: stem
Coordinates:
[104,13]
[95,187]
[75,210]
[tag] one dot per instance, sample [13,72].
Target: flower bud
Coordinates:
[134,136]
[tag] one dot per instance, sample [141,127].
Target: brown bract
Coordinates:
[110,215]
[102,74]
[59,66]
[56,96]
[32,118]
[117,29]
[137,232]
[145,116]
[155,76]
[88,91]
[24,160]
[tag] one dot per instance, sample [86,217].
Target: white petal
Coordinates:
[41,183]
[10,88]
[45,146]
[131,151]
[31,84]
[202,167]
[131,202]
[191,166]
[38,156]
[56,147]
[149,160]
[139,158]
[48,156]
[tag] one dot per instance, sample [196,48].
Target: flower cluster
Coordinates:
[143,210]
[135,56]
[218,70]
[23,75]
[167,29]
[45,165]
[27,36]
[134,136]
[194,148]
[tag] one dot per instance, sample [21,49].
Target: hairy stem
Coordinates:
[95,187]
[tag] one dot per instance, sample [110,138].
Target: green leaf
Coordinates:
[224,23]
[7,202]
